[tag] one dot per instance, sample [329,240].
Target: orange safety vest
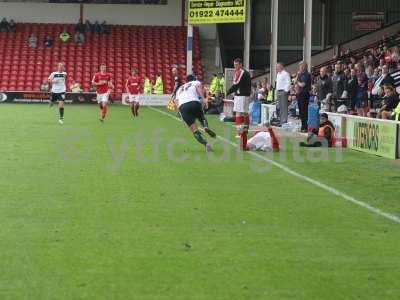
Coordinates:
[321,131]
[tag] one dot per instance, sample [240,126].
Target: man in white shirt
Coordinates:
[283,83]
[189,97]
[58,80]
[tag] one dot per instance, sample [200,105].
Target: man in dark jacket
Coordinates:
[242,89]
[303,86]
[338,82]
[324,87]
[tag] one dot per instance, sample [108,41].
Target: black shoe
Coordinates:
[210,132]
[101,120]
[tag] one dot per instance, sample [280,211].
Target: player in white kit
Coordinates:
[58,82]
[190,97]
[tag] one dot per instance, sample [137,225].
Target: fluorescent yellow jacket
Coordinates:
[270,96]
[214,85]
[222,85]
[147,86]
[396,113]
[158,86]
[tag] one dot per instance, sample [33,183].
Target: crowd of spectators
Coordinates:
[81,29]
[360,85]
[353,83]
[96,27]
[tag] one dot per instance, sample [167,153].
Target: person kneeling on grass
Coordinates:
[324,136]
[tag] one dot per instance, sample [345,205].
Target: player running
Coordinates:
[57,80]
[190,96]
[103,84]
[132,87]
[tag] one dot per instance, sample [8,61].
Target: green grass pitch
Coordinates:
[135,209]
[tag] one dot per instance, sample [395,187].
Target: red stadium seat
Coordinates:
[152,50]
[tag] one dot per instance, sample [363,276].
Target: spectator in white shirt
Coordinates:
[283,82]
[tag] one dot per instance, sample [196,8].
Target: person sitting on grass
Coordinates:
[324,136]
[390,102]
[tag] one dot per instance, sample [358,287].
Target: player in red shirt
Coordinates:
[103,84]
[132,87]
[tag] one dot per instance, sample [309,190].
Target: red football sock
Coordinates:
[243,140]
[246,120]
[274,140]
[239,120]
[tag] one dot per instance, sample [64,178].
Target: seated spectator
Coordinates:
[32,41]
[64,36]
[390,102]
[80,27]
[105,28]
[97,27]
[79,38]
[384,79]
[48,41]
[293,106]
[4,25]
[75,87]
[324,136]
[89,26]
[11,25]
[45,86]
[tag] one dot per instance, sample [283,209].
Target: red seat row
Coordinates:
[151,49]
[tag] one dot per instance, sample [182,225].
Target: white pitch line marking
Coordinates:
[314,182]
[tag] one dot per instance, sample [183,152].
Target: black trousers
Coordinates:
[303,111]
